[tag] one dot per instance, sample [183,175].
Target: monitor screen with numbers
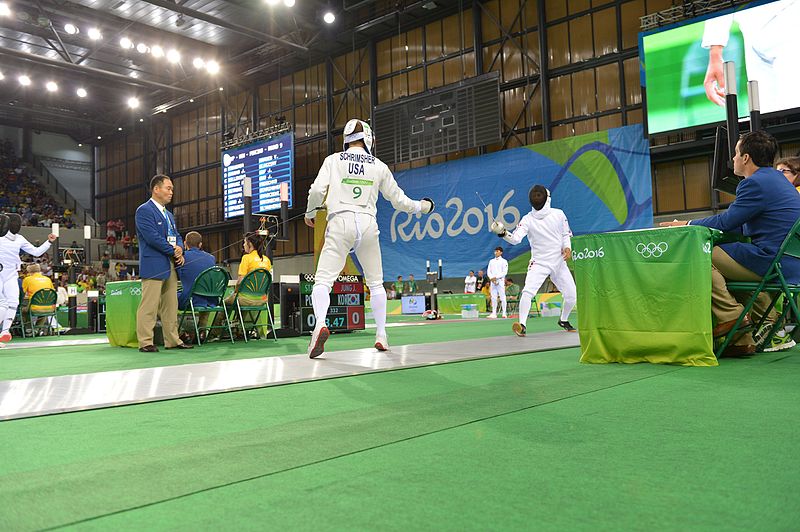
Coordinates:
[268,163]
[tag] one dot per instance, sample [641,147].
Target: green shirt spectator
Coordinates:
[411,285]
[398,286]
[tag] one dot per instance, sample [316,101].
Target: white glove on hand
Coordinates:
[426,205]
[497,228]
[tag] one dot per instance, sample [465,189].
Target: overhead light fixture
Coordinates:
[221,89]
[72,29]
[134,74]
[142,48]
[2,77]
[141,120]
[198,62]
[133,102]
[94,34]
[191,100]
[430,5]
[81,92]
[99,137]
[157,51]
[288,3]
[119,129]
[173,56]
[126,43]
[212,67]
[329,17]
[25,81]
[51,86]
[5,11]
[80,145]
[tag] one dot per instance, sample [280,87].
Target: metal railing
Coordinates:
[80,215]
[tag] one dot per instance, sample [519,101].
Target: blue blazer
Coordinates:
[155,252]
[197,260]
[765,209]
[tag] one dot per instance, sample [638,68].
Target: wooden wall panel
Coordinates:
[630,12]
[608,96]
[604,26]
[584,92]
[669,187]
[561,98]
[581,46]
[698,183]
[558,44]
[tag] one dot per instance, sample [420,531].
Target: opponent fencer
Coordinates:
[352,179]
[549,235]
[496,272]
[11,243]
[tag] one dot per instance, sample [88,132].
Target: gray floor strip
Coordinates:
[71,393]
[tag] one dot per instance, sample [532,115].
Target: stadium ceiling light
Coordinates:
[24,80]
[173,56]
[51,86]
[198,62]
[212,67]
[141,120]
[5,11]
[70,28]
[142,48]
[191,100]
[157,51]
[119,129]
[288,3]
[80,145]
[134,74]
[221,89]
[94,34]
[329,17]
[133,103]
[81,92]
[99,137]
[126,43]
[2,76]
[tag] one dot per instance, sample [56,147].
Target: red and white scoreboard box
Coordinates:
[346,312]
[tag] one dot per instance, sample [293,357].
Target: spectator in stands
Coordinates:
[122,273]
[31,284]
[512,289]
[196,261]
[398,286]
[790,168]
[411,286]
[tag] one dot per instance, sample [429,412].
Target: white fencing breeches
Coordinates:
[498,289]
[9,299]
[561,277]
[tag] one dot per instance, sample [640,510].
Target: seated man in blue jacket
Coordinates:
[765,209]
[196,261]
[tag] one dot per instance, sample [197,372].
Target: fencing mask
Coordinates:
[4,222]
[14,223]
[538,195]
[358,130]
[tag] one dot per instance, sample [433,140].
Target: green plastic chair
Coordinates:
[255,284]
[19,322]
[773,282]
[211,284]
[45,299]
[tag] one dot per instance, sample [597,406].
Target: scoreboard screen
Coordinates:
[267,163]
[346,312]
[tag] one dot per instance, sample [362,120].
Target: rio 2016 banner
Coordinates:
[600,180]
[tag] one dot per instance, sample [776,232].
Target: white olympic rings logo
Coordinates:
[136,291]
[651,249]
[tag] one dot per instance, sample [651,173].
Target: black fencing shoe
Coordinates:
[519,329]
[567,326]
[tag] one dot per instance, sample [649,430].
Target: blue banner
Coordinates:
[600,180]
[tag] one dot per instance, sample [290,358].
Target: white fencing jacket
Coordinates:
[10,246]
[498,268]
[548,233]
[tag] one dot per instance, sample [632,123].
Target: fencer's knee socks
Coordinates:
[524,307]
[567,306]
[8,319]
[378,299]
[320,300]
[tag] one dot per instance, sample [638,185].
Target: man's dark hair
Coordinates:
[157,180]
[760,146]
[498,248]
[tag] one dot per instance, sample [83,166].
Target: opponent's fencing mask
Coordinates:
[353,132]
[4,222]
[14,223]
[538,195]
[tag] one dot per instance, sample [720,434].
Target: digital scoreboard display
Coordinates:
[267,163]
[346,312]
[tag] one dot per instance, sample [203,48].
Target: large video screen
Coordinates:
[268,163]
[682,64]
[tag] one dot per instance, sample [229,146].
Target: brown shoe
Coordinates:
[148,349]
[739,350]
[725,327]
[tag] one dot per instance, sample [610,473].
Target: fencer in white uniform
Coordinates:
[496,272]
[10,246]
[549,235]
[352,179]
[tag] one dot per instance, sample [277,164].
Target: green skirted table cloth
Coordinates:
[122,301]
[451,303]
[645,295]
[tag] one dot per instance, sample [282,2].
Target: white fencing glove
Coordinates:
[426,205]
[498,228]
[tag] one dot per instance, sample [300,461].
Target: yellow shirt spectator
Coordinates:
[253,261]
[35,282]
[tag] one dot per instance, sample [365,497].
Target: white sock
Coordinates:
[494,305]
[566,307]
[524,308]
[11,313]
[505,305]
[321,300]
[378,300]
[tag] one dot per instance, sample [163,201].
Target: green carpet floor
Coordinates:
[533,441]
[70,360]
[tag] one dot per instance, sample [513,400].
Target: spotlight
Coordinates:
[191,100]
[133,103]
[99,137]
[5,11]
[173,56]
[134,74]
[141,120]
[2,77]
[221,89]
[198,62]
[142,48]
[126,43]
[329,17]
[157,51]
[80,145]
[51,86]
[24,80]
[81,92]
[119,129]
[288,3]
[94,34]
[212,67]
[179,20]
[71,28]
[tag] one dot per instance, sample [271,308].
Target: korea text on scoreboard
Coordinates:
[346,312]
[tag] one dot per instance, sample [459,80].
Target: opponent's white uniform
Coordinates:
[352,179]
[469,284]
[548,234]
[10,261]
[497,270]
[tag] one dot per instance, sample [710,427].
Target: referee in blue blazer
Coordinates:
[765,209]
[160,250]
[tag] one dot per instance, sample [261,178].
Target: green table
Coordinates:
[451,303]
[645,296]
[122,302]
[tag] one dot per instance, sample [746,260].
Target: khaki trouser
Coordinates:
[726,306]
[159,298]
